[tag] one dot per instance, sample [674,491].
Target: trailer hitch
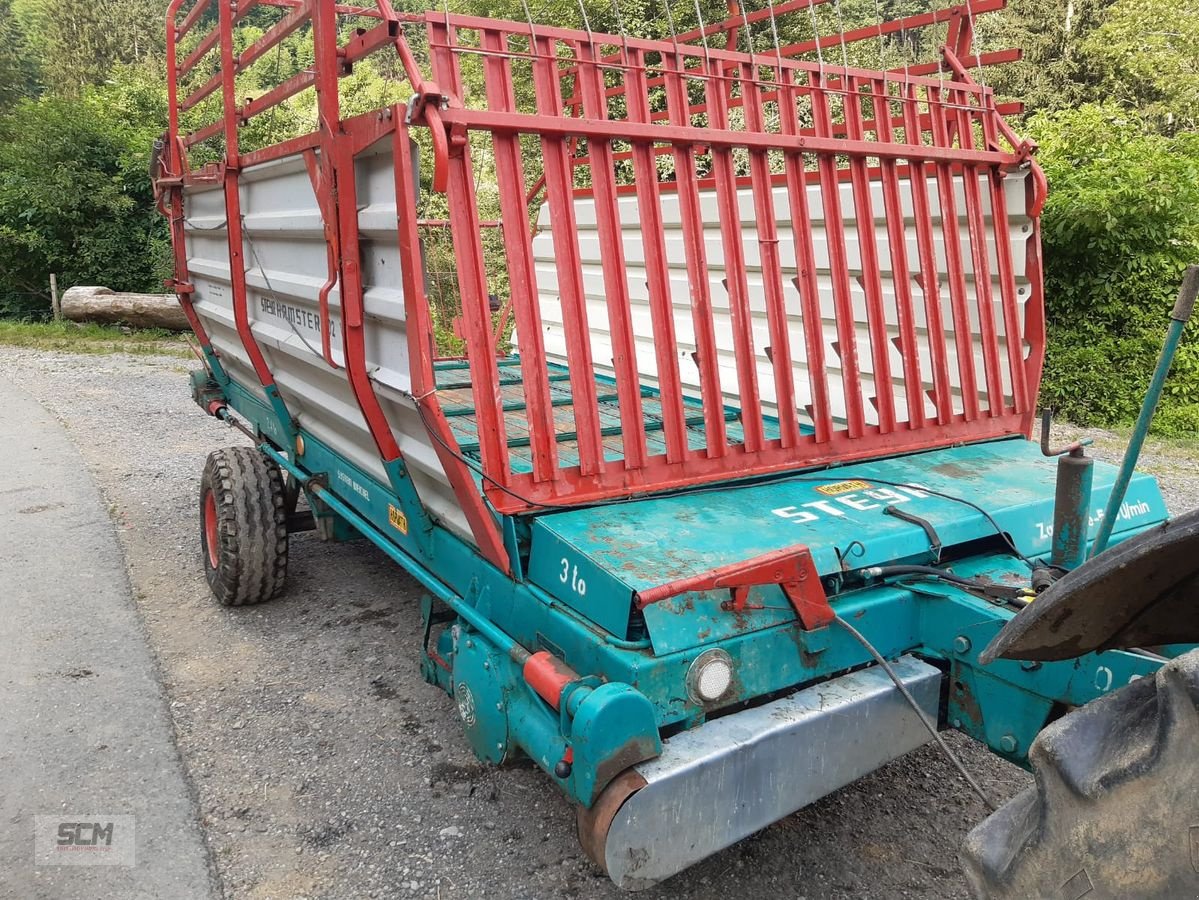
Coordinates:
[791,568]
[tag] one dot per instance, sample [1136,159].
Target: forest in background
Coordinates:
[1110,87]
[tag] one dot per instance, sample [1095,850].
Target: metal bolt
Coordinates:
[486,664]
[470,645]
[961,644]
[1008,744]
[499,707]
[956,723]
[1030,665]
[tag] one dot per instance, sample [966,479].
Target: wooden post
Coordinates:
[54,297]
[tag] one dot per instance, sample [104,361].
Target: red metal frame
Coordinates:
[797,122]
[791,568]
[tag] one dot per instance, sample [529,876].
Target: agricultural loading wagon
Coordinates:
[713,450]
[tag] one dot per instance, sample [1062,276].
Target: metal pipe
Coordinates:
[1178,321]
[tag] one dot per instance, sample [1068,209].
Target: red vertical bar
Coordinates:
[805,259]
[834,230]
[772,269]
[901,276]
[977,228]
[736,284]
[926,248]
[472,275]
[559,185]
[590,85]
[699,284]
[657,266]
[963,339]
[522,275]
[236,237]
[1007,275]
[420,353]
[872,283]
[345,204]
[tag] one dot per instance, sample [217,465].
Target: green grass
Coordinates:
[92,339]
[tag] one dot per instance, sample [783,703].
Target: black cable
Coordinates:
[476,467]
[927,722]
[941,574]
[919,487]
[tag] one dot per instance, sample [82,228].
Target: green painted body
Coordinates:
[575,573]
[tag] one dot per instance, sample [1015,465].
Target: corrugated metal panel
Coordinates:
[1020,232]
[286,266]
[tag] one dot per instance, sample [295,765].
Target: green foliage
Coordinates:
[81,41]
[1120,225]
[1147,55]
[17,72]
[74,193]
[1055,71]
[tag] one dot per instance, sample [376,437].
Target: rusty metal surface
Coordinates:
[593,823]
[1142,592]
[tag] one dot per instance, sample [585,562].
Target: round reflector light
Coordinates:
[710,676]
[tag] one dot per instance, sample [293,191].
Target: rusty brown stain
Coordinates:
[965,700]
[593,823]
[954,470]
[634,750]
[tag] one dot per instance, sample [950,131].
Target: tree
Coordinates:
[1146,53]
[17,69]
[1055,71]
[83,39]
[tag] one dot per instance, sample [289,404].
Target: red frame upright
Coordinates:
[921,128]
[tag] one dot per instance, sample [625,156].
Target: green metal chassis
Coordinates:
[477,620]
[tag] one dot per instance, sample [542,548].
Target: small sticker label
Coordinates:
[398,520]
[841,487]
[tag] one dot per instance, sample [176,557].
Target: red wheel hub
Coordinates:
[211,538]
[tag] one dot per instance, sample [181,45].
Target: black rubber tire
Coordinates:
[1115,809]
[247,563]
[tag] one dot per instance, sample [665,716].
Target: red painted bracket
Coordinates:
[791,568]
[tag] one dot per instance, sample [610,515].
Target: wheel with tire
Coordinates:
[243,526]
[1115,808]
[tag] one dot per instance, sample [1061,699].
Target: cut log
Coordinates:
[99,304]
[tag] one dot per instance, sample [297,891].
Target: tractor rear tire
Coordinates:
[1115,808]
[243,526]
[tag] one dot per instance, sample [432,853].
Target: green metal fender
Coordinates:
[613,727]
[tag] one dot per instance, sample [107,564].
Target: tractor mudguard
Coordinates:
[1140,593]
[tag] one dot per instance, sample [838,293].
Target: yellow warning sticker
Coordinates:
[842,487]
[398,520]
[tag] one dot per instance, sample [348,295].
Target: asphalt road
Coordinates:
[84,734]
[323,766]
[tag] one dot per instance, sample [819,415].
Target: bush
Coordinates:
[75,194]
[1119,227]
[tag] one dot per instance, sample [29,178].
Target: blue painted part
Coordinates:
[631,688]
[613,728]
[1141,429]
[621,548]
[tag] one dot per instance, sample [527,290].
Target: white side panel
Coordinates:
[286,267]
[1019,232]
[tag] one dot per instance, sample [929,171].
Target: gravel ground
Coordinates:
[325,767]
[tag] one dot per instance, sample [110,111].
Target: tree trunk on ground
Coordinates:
[99,304]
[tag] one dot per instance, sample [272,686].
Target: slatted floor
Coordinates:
[457,400]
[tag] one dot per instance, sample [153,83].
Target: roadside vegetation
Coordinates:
[91,339]
[1110,87]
